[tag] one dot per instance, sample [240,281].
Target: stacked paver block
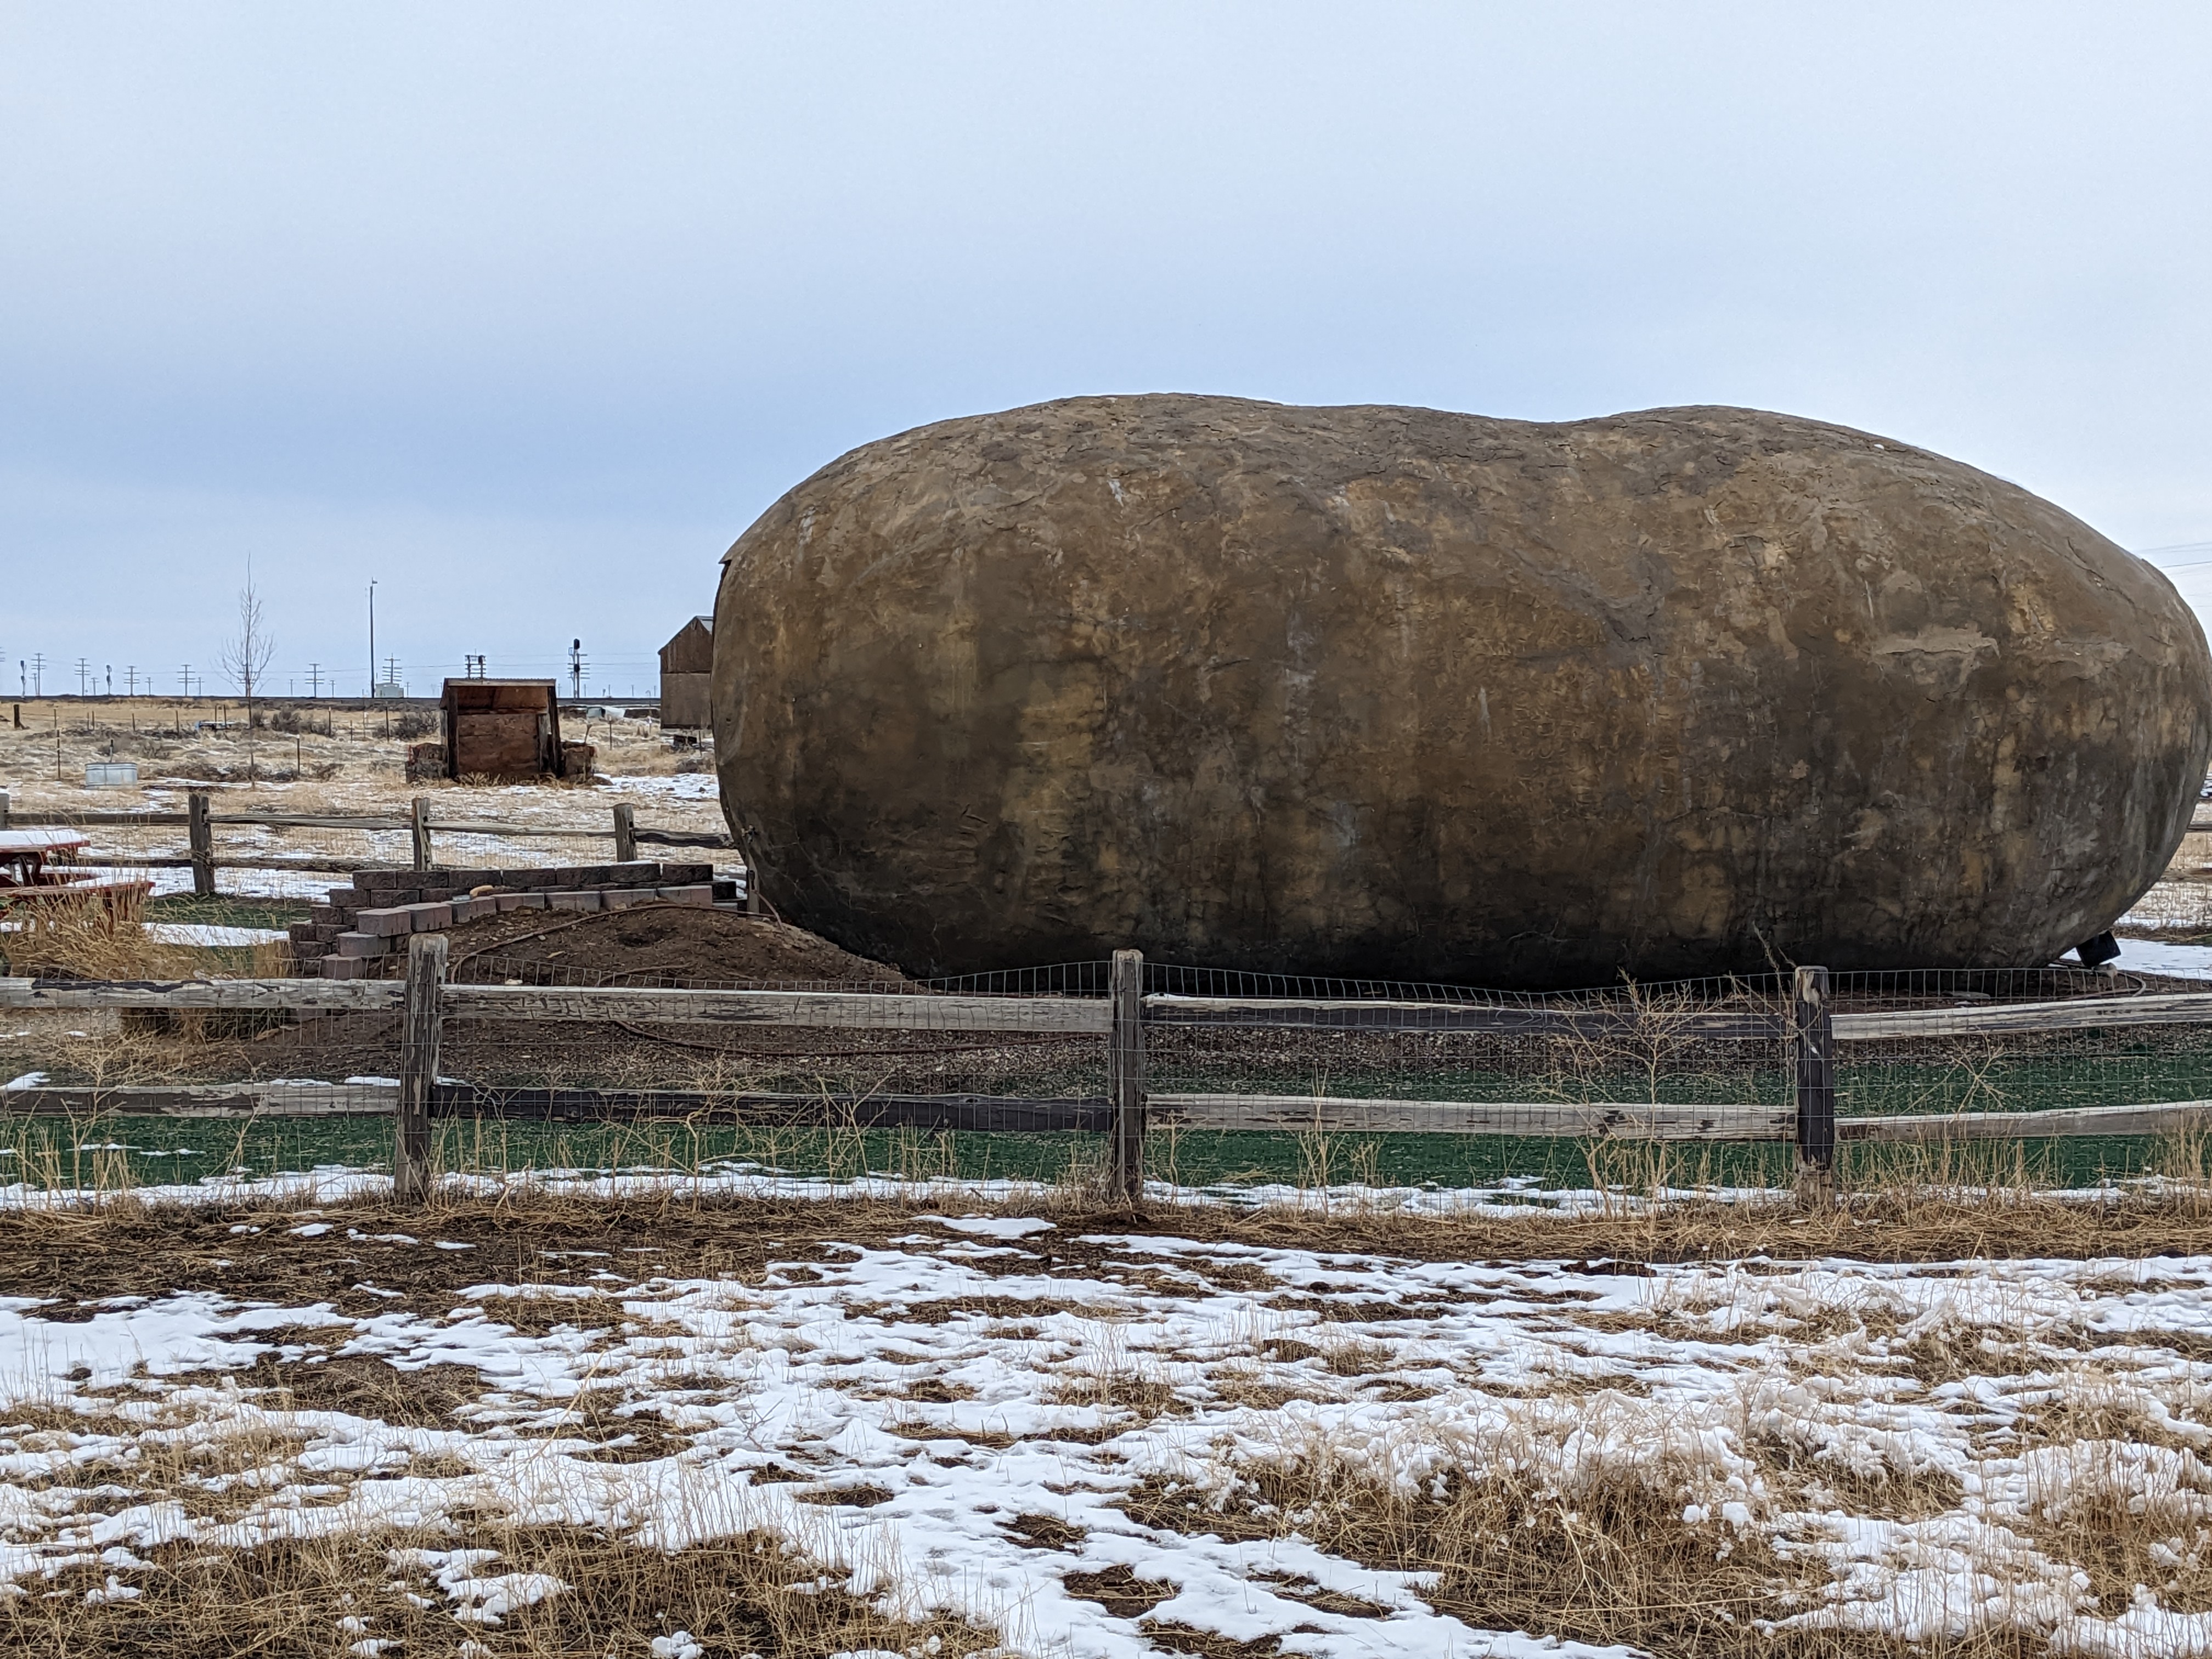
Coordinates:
[346,936]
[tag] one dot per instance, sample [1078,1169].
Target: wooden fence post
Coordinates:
[422,1023]
[419,826]
[1812,1041]
[201,833]
[625,832]
[1125,1078]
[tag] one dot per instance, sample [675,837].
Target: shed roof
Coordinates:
[690,649]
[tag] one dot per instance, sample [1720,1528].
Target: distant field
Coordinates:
[352,767]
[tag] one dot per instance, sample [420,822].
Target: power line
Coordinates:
[2151,556]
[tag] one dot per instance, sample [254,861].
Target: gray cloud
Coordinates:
[527,310]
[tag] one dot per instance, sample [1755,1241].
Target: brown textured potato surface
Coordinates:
[1400,692]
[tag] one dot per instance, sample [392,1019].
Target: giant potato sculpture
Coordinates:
[1397,692]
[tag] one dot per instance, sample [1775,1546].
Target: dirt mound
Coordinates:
[657,944]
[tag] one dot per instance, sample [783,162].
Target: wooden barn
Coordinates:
[505,730]
[687,664]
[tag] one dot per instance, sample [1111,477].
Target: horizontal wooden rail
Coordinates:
[1628,1121]
[860,1010]
[164,820]
[912,1011]
[2080,1014]
[523,831]
[364,822]
[327,995]
[1600,1121]
[309,820]
[1351,1014]
[863,1010]
[1007,1114]
[2165,1117]
[905,1010]
[207,1100]
[1379,1014]
[1091,1112]
[335,866]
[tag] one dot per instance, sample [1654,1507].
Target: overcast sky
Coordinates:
[527,310]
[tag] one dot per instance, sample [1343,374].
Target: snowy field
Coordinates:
[1056,1439]
[2144,956]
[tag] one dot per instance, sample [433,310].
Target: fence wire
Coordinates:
[1248,1077]
[1691,1043]
[2015,1071]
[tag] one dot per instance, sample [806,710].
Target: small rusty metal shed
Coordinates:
[506,730]
[687,665]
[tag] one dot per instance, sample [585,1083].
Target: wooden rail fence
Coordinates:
[199,821]
[1808,1033]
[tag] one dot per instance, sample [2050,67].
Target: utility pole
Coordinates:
[131,679]
[184,678]
[82,669]
[314,679]
[391,670]
[37,674]
[372,639]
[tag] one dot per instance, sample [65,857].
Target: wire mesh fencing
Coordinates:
[1242,1050]
[1198,1076]
[1946,1042]
[995,1053]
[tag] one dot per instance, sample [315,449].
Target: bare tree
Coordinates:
[245,656]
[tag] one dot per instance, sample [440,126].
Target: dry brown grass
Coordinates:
[2123,1537]
[751,1594]
[1613,1561]
[1518,1533]
[125,1245]
[1039,1531]
[81,942]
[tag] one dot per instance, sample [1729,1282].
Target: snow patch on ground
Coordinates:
[206,934]
[2145,956]
[1512,1198]
[964,1394]
[992,1226]
[684,785]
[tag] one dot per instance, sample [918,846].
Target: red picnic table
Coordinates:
[38,870]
